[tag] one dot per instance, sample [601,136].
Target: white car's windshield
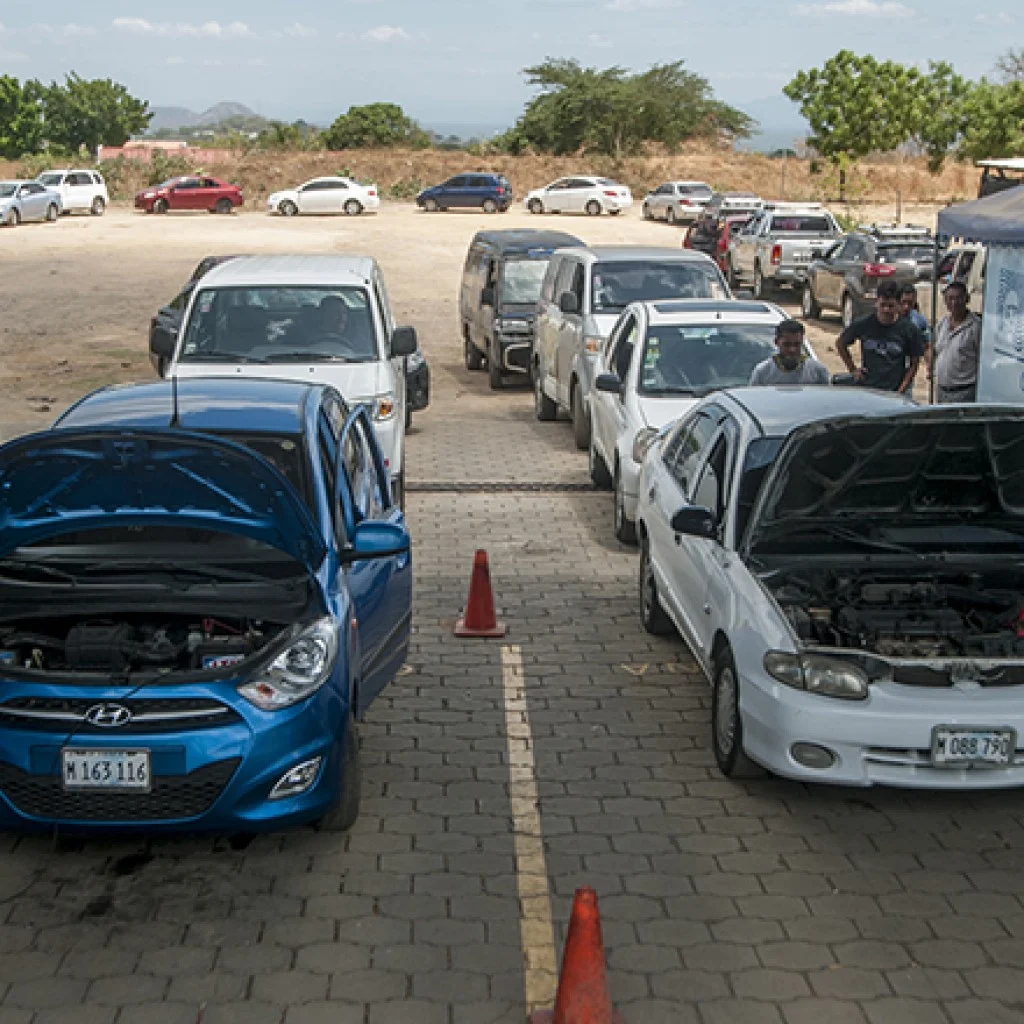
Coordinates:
[615,285]
[53,178]
[521,281]
[698,359]
[7,189]
[280,325]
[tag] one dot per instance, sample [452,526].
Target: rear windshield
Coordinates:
[817,225]
[7,189]
[521,281]
[616,284]
[918,252]
[695,190]
[53,178]
[696,359]
[280,325]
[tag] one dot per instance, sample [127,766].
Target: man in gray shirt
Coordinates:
[790,365]
[957,341]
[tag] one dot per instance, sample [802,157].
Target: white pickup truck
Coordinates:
[777,245]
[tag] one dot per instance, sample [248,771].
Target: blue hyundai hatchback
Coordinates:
[488,192]
[202,588]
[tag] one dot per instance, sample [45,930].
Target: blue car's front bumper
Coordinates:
[211,770]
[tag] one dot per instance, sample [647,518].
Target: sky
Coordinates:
[457,64]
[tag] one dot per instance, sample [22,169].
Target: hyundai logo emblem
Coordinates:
[108,716]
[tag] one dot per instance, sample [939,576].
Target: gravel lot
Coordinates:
[498,777]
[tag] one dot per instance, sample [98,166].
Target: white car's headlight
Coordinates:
[816,673]
[298,671]
[381,408]
[643,440]
[592,343]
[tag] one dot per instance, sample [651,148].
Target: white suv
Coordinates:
[80,189]
[320,319]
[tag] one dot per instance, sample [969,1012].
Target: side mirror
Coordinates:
[487,296]
[695,521]
[609,383]
[373,539]
[403,341]
[162,342]
[568,303]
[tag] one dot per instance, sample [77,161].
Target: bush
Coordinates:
[163,167]
[406,188]
[31,165]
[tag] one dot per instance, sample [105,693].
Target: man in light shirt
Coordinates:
[790,365]
[957,342]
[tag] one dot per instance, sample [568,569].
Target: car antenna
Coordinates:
[175,421]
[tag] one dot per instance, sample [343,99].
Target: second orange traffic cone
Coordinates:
[479,619]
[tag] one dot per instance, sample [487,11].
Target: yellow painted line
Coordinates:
[537,934]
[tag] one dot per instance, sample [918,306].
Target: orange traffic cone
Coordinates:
[479,619]
[582,996]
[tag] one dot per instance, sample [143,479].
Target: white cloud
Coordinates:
[1000,18]
[387,34]
[208,29]
[598,41]
[68,31]
[300,31]
[860,8]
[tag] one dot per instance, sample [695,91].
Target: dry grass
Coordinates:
[400,173]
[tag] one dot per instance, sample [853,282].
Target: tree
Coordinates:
[613,112]
[994,121]
[939,111]
[1011,65]
[855,106]
[21,120]
[375,124]
[92,113]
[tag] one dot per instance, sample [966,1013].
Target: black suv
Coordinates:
[846,278]
[489,192]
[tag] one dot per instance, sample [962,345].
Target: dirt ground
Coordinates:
[78,294]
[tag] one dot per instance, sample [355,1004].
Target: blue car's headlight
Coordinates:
[298,671]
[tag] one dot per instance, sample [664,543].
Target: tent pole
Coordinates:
[934,313]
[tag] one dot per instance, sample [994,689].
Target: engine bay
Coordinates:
[133,643]
[937,615]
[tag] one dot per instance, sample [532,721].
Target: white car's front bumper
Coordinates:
[884,740]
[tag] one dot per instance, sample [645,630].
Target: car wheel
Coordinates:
[808,304]
[353,208]
[430,205]
[52,213]
[288,209]
[580,418]
[625,529]
[652,616]
[14,218]
[645,212]
[760,285]
[494,375]
[731,275]
[223,206]
[670,215]
[161,367]
[474,360]
[726,723]
[98,206]
[343,815]
[408,417]
[161,206]
[535,206]
[542,405]
[593,208]
[489,206]
[848,311]
[599,474]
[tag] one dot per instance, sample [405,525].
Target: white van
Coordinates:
[325,319]
[80,189]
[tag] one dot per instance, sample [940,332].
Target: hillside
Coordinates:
[181,120]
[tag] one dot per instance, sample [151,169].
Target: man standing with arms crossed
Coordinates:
[957,342]
[890,345]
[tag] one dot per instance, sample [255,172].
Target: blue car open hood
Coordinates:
[65,481]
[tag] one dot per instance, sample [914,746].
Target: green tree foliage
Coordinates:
[21,121]
[92,113]
[375,125]
[1010,66]
[938,105]
[994,121]
[613,112]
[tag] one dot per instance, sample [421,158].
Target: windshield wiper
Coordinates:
[177,571]
[213,356]
[309,357]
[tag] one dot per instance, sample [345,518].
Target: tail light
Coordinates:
[371,191]
[878,270]
[608,192]
[776,256]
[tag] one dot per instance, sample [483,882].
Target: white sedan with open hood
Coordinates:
[848,569]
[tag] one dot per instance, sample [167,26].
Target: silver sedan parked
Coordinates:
[28,200]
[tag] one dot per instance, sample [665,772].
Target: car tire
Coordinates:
[726,723]
[535,206]
[161,367]
[473,358]
[494,375]
[542,405]
[670,215]
[653,616]
[731,276]
[52,213]
[431,205]
[848,313]
[760,284]
[599,474]
[625,529]
[223,206]
[408,416]
[353,208]
[98,207]
[287,209]
[161,206]
[489,206]
[809,307]
[645,212]
[593,208]
[580,418]
[14,218]
[345,812]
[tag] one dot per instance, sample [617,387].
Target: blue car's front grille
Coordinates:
[149,715]
[172,796]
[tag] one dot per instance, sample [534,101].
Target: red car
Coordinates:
[190,193]
[717,248]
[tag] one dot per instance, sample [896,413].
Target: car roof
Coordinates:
[703,184]
[321,269]
[682,311]
[329,177]
[626,253]
[780,410]
[214,404]
[523,239]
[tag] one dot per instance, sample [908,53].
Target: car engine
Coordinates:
[977,615]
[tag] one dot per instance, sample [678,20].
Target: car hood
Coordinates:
[657,411]
[925,466]
[65,481]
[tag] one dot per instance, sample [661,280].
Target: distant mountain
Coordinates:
[222,112]
[172,119]
[165,118]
